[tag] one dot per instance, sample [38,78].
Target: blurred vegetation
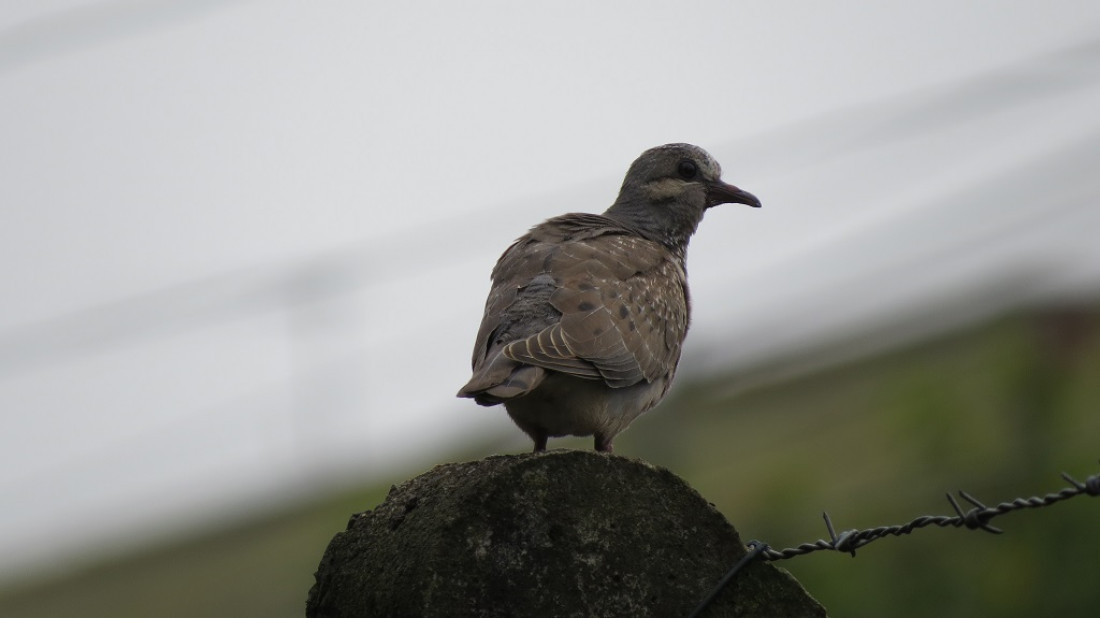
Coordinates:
[262,567]
[998,410]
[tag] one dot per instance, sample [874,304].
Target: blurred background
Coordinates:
[246,246]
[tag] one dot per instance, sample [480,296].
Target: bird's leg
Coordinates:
[603,444]
[540,442]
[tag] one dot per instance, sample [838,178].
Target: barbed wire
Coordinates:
[848,541]
[977,518]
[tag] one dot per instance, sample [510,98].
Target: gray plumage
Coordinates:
[587,313]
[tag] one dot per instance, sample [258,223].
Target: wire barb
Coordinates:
[842,542]
[977,517]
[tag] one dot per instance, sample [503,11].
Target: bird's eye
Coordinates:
[687,169]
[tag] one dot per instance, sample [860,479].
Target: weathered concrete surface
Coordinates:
[561,533]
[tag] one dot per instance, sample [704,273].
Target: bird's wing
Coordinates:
[587,298]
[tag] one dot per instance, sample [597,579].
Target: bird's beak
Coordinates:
[719,192]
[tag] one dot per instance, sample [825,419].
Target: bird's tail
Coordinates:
[500,380]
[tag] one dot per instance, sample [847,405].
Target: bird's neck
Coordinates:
[670,230]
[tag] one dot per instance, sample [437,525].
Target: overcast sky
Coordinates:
[246,244]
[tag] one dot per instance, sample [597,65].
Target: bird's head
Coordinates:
[667,190]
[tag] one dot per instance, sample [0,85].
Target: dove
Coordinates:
[587,314]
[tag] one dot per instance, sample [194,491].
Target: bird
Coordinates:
[587,313]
